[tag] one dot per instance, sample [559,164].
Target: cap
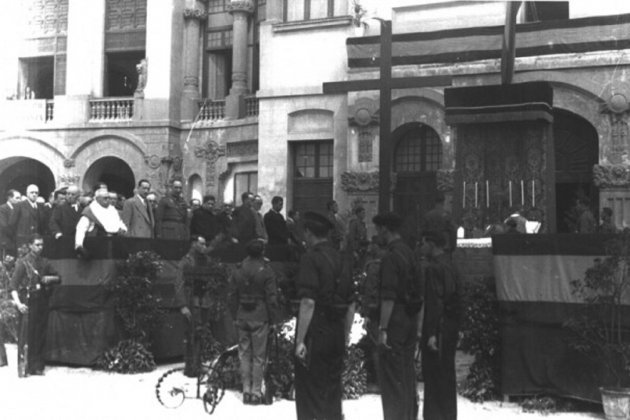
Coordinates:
[316,222]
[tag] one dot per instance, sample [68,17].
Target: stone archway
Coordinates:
[114,172]
[18,172]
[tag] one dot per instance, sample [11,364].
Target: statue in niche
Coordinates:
[141,68]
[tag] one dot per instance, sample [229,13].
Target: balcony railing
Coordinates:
[210,110]
[20,112]
[111,109]
[251,106]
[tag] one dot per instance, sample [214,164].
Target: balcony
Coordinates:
[26,112]
[210,110]
[111,109]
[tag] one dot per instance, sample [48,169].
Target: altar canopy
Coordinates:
[481,43]
[533,275]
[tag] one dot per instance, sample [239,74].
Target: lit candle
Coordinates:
[464,196]
[475,194]
[487,194]
[510,185]
[533,193]
[522,193]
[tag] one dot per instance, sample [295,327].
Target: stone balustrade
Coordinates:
[210,110]
[24,112]
[111,109]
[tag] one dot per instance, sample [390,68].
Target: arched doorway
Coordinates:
[576,151]
[417,157]
[19,172]
[195,187]
[112,171]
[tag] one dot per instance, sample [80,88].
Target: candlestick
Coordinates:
[533,193]
[522,193]
[475,194]
[487,194]
[510,185]
[464,196]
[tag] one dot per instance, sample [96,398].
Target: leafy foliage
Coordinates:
[599,331]
[480,337]
[133,293]
[8,310]
[354,376]
[128,356]
[213,287]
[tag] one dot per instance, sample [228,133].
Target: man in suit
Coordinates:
[137,213]
[275,224]
[7,238]
[244,220]
[204,220]
[171,215]
[66,215]
[27,217]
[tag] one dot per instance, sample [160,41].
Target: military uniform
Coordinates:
[318,388]
[396,369]
[441,319]
[26,281]
[171,218]
[254,305]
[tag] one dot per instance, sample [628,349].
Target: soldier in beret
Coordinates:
[397,323]
[440,330]
[323,324]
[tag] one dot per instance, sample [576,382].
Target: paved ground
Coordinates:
[83,394]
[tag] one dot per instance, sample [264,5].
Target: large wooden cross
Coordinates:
[385,83]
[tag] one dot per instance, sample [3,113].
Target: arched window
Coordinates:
[419,150]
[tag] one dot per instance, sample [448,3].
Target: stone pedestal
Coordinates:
[235,102]
[504,153]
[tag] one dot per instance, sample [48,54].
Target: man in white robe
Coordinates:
[99,219]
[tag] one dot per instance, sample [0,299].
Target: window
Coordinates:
[307,9]
[244,182]
[313,160]
[366,140]
[219,67]
[122,76]
[419,150]
[216,6]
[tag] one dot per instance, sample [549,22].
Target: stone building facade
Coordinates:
[227,95]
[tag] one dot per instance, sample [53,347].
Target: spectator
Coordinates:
[137,213]
[244,220]
[7,234]
[261,233]
[65,216]
[521,221]
[28,217]
[275,224]
[204,220]
[356,242]
[338,233]
[440,220]
[608,224]
[586,220]
[172,214]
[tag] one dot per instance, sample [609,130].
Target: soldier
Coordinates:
[28,290]
[440,330]
[440,220]
[254,306]
[7,235]
[320,336]
[171,215]
[398,323]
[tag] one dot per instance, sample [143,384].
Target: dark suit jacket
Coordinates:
[244,224]
[206,224]
[276,227]
[7,238]
[26,221]
[64,220]
[135,215]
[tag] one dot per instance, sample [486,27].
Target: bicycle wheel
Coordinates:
[214,387]
[170,389]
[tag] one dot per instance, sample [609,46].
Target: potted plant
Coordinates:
[601,328]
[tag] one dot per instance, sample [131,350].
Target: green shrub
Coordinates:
[128,356]
[480,337]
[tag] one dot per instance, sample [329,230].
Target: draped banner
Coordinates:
[533,275]
[601,33]
[82,321]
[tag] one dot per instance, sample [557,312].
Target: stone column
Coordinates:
[164,54]
[85,60]
[194,17]
[235,102]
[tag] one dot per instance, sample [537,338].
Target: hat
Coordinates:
[390,220]
[317,223]
[436,237]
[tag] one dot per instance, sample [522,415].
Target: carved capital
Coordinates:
[354,182]
[194,13]
[445,180]
[68,163]
[245,6]
[611,176]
